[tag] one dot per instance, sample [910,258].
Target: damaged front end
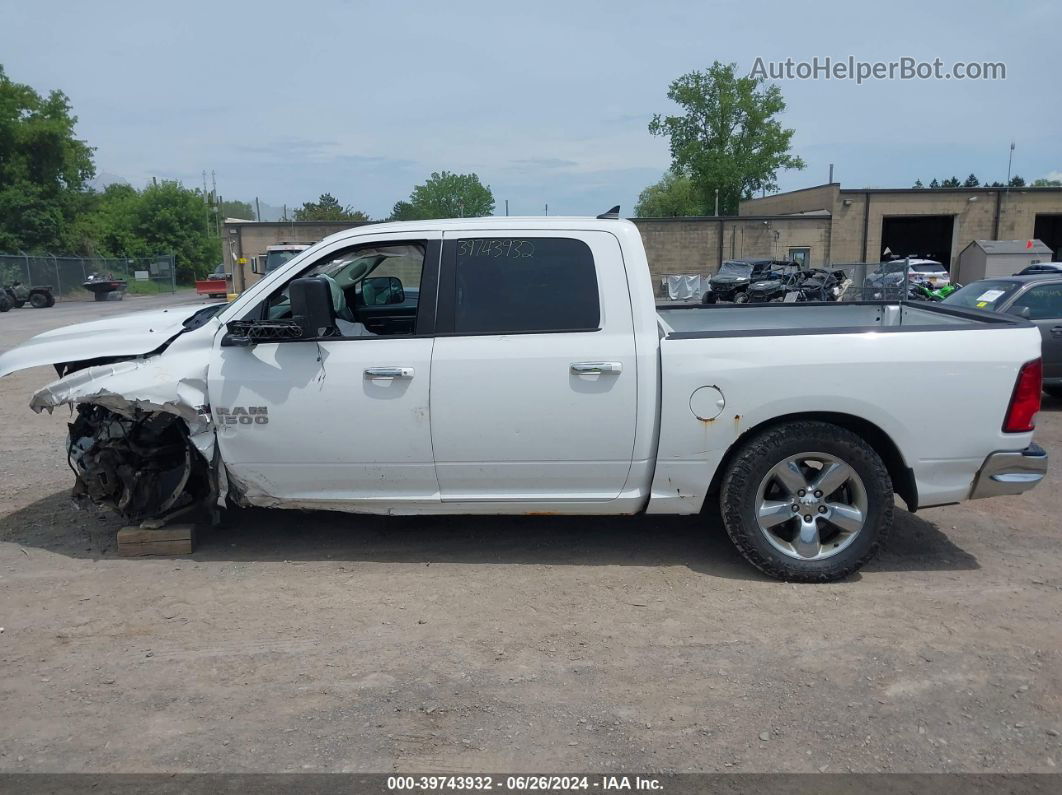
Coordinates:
[143,465]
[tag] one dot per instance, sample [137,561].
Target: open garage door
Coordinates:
[923,236]
[1048,230]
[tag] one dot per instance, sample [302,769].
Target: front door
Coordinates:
[534,378]
[343,420]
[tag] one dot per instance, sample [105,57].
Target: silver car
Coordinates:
[1038,299]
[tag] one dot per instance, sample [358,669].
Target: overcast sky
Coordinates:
[547,102]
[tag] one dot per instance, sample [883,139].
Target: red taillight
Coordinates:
[1025,402]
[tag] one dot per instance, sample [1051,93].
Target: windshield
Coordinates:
[987,294]
[731,268]
[929,267]
[274,259]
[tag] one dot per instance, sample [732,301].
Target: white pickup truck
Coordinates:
[521,366]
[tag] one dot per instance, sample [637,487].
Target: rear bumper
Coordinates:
[1011,472]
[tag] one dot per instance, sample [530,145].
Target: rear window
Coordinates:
[987,294]
[513,285]
[929,268]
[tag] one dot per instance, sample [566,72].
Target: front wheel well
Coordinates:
[903,480]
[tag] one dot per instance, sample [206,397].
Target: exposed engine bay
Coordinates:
[143,465]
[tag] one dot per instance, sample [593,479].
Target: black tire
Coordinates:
[1054,391]
[19,304]
[751,464]
[5,303]
[38,300]
[741,298]
[101,296]
[51,301]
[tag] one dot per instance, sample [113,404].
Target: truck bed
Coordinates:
[691,321]
[882,367]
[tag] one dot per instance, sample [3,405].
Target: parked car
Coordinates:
[732,280]
[1041,267]
[1036,298]
[891,274]
[556,386]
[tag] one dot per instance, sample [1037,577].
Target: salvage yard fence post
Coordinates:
[66,276]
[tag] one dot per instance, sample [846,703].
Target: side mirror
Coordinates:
[311,306]
[1020,311]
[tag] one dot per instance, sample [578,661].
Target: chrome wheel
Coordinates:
[811,506]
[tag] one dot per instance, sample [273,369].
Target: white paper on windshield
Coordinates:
[990,295]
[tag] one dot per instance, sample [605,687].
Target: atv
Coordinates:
[19,294]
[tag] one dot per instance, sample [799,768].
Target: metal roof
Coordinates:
[1011,246]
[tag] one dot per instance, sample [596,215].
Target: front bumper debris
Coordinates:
[1011,472]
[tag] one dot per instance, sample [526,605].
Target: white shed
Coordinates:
[985,259]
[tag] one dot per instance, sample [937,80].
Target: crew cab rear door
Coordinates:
[534,378]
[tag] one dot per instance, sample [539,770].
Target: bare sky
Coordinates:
[548,102]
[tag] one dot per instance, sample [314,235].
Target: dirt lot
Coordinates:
[295,641]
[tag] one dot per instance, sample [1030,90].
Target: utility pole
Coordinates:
[717,202]
[506,207]
[831,174]
[547,208]
[1010,160]
[217,204]
[206,203]
[257,210]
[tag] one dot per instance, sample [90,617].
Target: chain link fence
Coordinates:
[87,278]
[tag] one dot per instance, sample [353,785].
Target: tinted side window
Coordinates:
[1043,302]
[508,285]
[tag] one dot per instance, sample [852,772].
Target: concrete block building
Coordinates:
[823,225]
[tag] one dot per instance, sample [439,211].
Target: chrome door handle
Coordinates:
[388,372]
[589,368]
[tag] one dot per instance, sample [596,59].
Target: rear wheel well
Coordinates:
[903,479]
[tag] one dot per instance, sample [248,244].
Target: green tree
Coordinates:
[934,184]
[918,184]
[166,218]
[43,169]
[1017,182]
[728,137]
[403,211]
[233,208]
[447,195]
[953,182]
[674,195]
[971,182]
[328,208]
[1043,182]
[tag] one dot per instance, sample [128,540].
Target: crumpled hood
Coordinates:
[134,334]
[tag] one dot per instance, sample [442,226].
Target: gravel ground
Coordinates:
[326,642]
